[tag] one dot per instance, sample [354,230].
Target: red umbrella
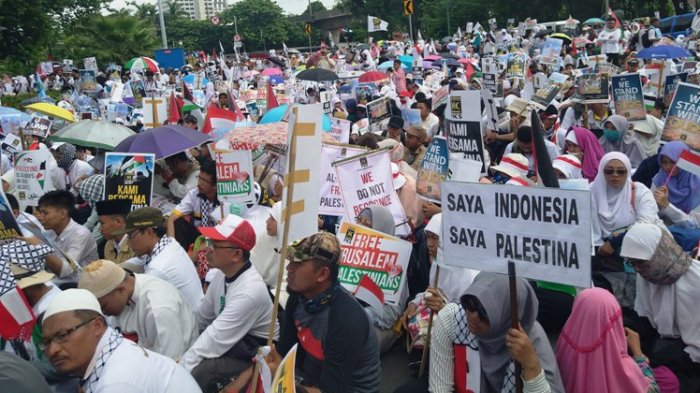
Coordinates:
[463,61]
[432,57]
[373,76]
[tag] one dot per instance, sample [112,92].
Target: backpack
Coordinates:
[646,42]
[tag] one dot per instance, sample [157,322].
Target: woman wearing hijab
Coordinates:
[676,191]
[592,349]
[667,294]
[583,144]
[474,339]
[617,138]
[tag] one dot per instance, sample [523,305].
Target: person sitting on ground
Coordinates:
[145,308]
[567,166]
[585,146]
[416,136]
[112,215]
[181,175]
[676,191]
[523,144]
[617,137]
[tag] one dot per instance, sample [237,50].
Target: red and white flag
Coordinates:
[689,161]
[16,315]
[369,292]
[218,118]
[271,99]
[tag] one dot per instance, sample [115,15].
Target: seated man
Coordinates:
[146,309]
[181,175]
[236,311]
[77,341]
[74,240]
[159,254]
[112,215]
[523,144]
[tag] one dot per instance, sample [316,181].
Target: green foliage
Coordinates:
[14,101]
[259,16]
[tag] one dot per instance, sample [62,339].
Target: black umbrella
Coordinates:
[450,62]
[544,32]
[277,61]
[449,55]
[317,75]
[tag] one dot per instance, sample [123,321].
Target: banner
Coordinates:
[554,85]
[463,125]
[376,24]
[551,51]
[129,176]
[340,130]
[516,66]
[383,258]
[683,117]
[545,231]
[433,170]
[628,96]
[593,88]
[331,199]
[670,83]
[234,176]
[31,177]
[365,181]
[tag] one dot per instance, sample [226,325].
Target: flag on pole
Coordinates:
[689,161]
[233,107]
[218,118]
[271,99]
[173,109]
[264,382]
[330,40]
[221,47]
[376,24]
[617,21]
[369,292]
[186,93]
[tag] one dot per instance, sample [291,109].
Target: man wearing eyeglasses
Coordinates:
[236,311]
[160,255]
[77,341]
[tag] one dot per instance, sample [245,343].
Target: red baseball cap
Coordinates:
[234,230]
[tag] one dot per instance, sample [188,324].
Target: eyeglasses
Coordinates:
[132,234]
[613,171]
[472,304]
[61,338]
[211,246]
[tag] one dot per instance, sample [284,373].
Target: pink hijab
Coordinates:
[592,349]
[592,151]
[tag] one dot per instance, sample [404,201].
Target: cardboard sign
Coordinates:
[543,230]
[377,111]
[234,176]
[46,67]
[554,85]
[340,130]
[31,176]
[593,88]
[551,51]
[88,81]
[683,118]
[628,96]
[516,66]
[463,125]
[129,176]
[383,258]
[366,181]
[433,170]
[330,196]
[670,84]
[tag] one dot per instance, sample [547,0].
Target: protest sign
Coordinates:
[284,380]
[10,145]
[489,65]
[90,63]
[511,23]
[331,198]
[377,111]
[88,81]
[670,83]
[522,29]
[9,230]
[628,97]
[491,82]
[366,180]
[469,27]
[433,170]
[463,125]
[551,51]
[234,176]
[440,96]
[39,126]
[516,66]
[383,258]
[464,169]
[67,63]
[31,176]
[411,117]
[683,118]
[593,88]
[11,124]
[46,67]
[340,130]
[325,98]
[155,112]
[491,111]
[554,85]
[129,176]
[492,24]
[543,230]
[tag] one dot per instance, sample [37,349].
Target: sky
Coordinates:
[292,7]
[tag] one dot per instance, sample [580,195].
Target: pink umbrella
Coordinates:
[272,71]
[432,57]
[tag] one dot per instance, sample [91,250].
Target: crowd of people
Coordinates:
[180,298]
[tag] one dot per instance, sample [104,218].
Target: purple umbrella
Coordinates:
[163,141]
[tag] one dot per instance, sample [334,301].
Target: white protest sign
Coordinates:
[366,181]
[325,98]
[340,130]
[234,176]
[463,169]
[545,231]
[31,176]
[331,199]
[155,112]
[383,258]
[46,67]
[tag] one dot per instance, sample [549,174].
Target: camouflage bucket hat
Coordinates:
[323,246]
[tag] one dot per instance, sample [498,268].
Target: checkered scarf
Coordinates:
[160,246]
[115,338]
[205,209]
[23,255]
[92,189]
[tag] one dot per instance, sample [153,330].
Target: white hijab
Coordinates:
[613,205]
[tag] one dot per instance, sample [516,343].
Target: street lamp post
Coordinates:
[162,24]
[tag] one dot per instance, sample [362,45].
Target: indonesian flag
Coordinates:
[689,161]
[218,118]
[264,381]
[271,99]
[174,106]
[369,292]
[16,315]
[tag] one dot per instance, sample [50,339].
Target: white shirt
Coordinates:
[611,41]
[228,312]
[160,317]
[191,203]
[133,369]
[431,124]
[77,242]
[179,190]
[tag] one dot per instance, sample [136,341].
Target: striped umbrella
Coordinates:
[142,63]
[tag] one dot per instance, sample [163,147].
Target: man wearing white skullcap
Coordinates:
[78,342]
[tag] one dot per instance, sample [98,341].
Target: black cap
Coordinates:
[396,122]
[110,207]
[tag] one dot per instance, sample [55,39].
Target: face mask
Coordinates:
[612,135]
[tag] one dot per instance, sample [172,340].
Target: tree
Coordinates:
[260,22]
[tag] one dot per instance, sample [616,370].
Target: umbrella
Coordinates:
[89,133]
[543,33]
[317,75]
[276,79]
[373,76]
[350,74]
[6,110]
[449,55]
[406,60]
[662,52]
[163,141]
[271,71]
[278,61]
[264,134]
[594,21]
[450,62]
[427,64]
[143,63]
[562,36]
[390,64]
[275,115]
[432,57]
[52,110]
